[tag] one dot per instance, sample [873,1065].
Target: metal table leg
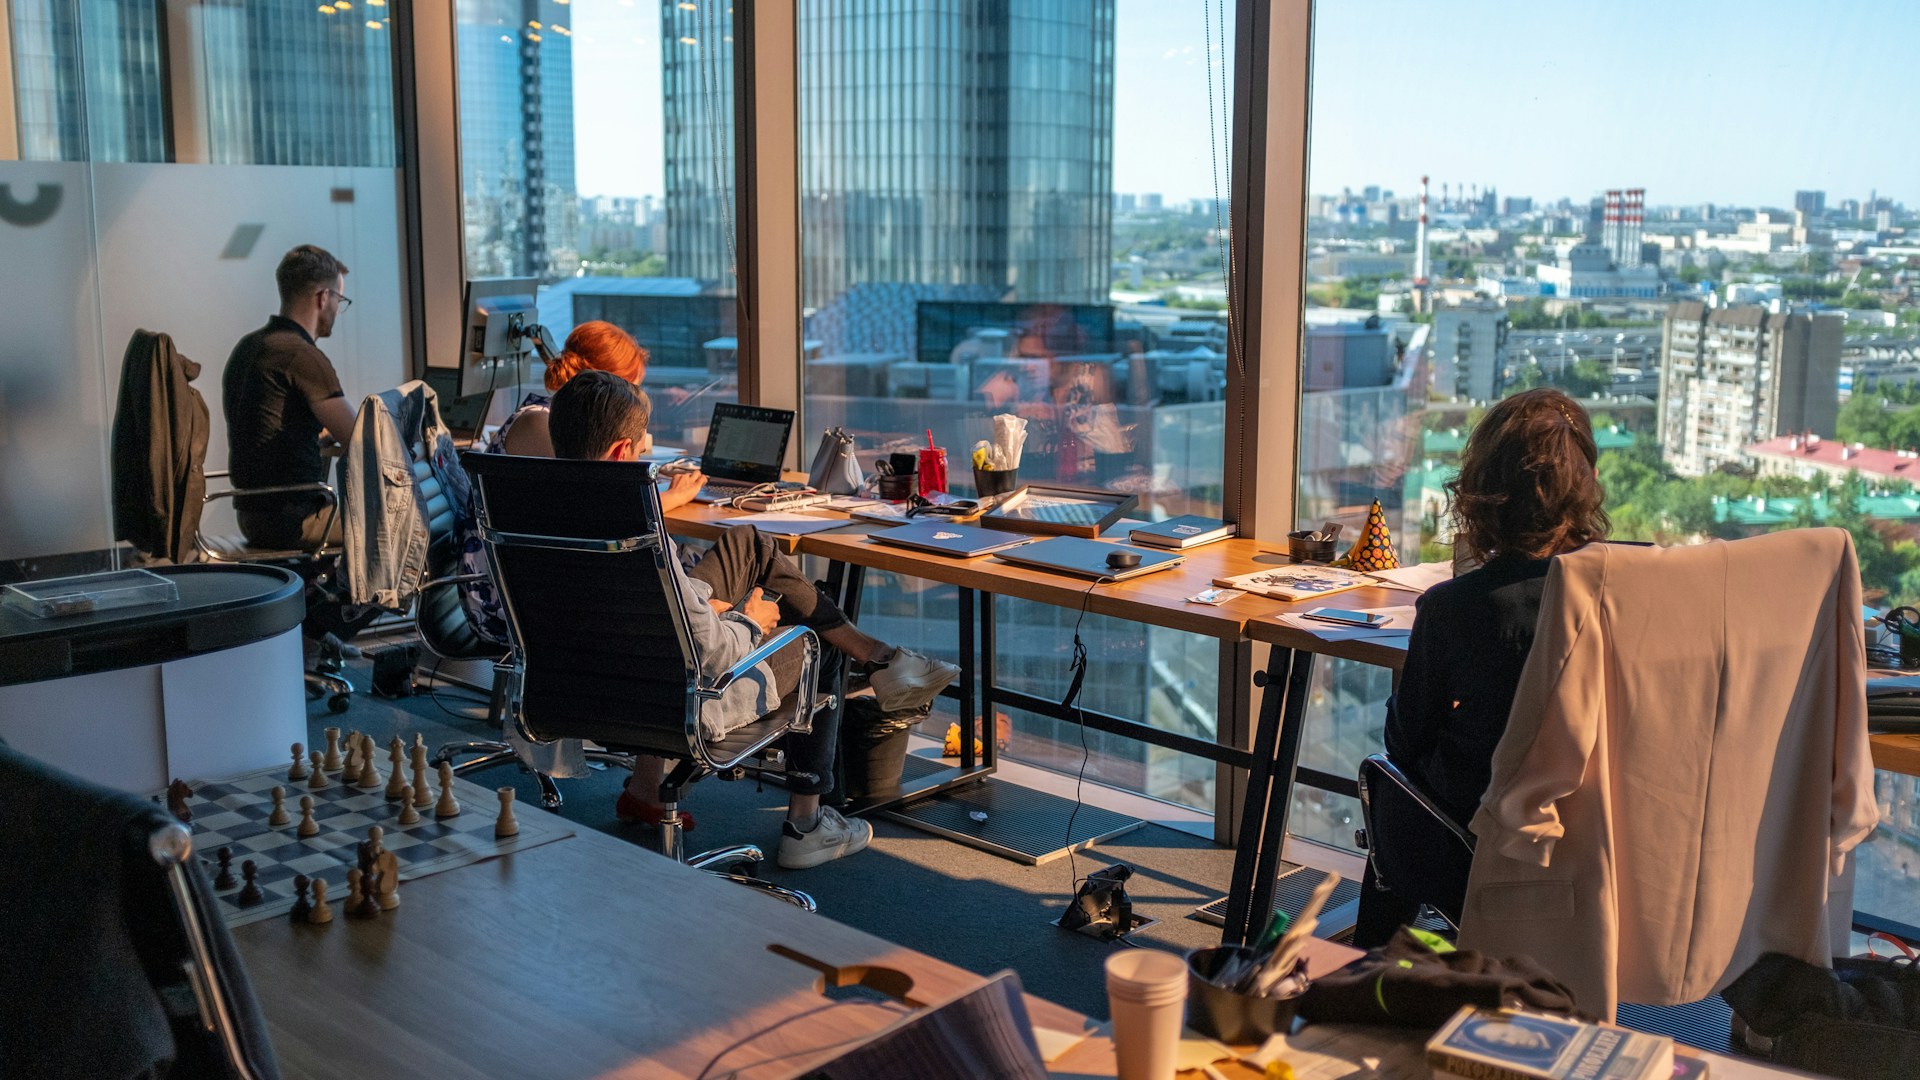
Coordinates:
[1263,825]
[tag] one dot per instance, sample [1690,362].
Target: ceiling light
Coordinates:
[373,24]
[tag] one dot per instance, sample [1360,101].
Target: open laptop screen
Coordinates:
[746,443]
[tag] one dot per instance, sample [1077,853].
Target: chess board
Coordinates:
[232,813]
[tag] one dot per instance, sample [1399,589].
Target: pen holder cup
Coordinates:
[896,487]
[1228,1015]
[1300,549]
[990,482]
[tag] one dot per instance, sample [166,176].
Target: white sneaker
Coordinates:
[910,681]
[831,837]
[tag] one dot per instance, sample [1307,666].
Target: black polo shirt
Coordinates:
[274,378]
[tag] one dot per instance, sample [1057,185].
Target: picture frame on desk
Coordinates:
[1057,510]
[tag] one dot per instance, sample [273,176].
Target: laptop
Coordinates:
[745,446]
[957,541]
[1088,558]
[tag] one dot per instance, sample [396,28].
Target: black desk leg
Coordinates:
[990,736]
[967,680]
[1263,824]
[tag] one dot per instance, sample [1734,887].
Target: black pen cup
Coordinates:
[1232,1017]
[1302,549]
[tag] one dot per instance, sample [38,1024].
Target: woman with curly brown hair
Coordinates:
[1528,490]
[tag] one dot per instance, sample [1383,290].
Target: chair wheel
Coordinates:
[338,703]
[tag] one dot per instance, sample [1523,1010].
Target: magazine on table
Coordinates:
[1298,582]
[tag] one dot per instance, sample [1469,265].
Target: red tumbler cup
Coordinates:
[933,470]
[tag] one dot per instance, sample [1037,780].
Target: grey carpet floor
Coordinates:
[971,909]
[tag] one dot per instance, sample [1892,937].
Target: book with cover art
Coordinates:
[1496,1044]
[1299,582]
[1187,531]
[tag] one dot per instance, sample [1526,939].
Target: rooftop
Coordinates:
[1832,455]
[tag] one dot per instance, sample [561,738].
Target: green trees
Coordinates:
[1888,419]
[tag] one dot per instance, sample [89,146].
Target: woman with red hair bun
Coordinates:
[593,346]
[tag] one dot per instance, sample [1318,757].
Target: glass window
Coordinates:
[596,147]
[978,239]
[1726,300]
[146,195]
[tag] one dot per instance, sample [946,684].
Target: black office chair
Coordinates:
[449,634]
[1414,850]
[603,645]
[158,988]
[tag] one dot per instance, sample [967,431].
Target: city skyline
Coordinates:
[1728,103]
[1561,63]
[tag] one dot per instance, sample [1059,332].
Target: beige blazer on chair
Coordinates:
[1685,765]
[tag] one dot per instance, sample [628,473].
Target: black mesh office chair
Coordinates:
[1404,831]
[449,634]
[158,988]
[603,644]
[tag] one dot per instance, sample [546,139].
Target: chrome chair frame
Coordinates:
[326,681]
[1367,837]
[171,846]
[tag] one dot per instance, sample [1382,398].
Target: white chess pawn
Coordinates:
[355,890]
[505,826]
[397,770]
[409,813]
[279,815]
[308,826]
[369,772]
[331,762]
[375,836]
[299,769]
[321,912]
[422,794]
[319,778]
[448,806]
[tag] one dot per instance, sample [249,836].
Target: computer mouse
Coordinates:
[1122,560]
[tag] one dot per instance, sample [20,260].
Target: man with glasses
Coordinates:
[282,396]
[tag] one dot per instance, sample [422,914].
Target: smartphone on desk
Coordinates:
[1347,617]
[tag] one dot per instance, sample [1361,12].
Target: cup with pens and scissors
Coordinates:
[1241,994]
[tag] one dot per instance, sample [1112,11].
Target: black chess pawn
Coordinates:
[250,893]
[302,907]
[224,879]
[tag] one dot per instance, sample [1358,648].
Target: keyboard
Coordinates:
[721,490]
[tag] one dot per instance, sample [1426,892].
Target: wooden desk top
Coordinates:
[1378,653]
[1158,599]
[587,957]
[1896,753]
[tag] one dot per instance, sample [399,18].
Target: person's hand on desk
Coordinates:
[681,488]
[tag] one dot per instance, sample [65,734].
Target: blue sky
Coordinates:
[1695,101]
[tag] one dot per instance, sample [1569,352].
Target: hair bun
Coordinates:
[564,367]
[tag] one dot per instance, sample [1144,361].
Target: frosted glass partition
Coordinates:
[185,249]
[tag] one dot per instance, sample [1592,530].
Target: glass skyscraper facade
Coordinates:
[282,83]
[88,83]
[943,143]
[516,138]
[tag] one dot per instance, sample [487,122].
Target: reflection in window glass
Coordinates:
[1731,301]
[88,84]
[597,157]
[1011,210]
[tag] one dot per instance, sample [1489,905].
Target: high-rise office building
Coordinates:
[1470,349]
[106,104]
[516,138]
[1811,203]
[280,84]
[1732,377]
[968,145]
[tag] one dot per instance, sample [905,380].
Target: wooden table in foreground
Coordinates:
[586,957]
